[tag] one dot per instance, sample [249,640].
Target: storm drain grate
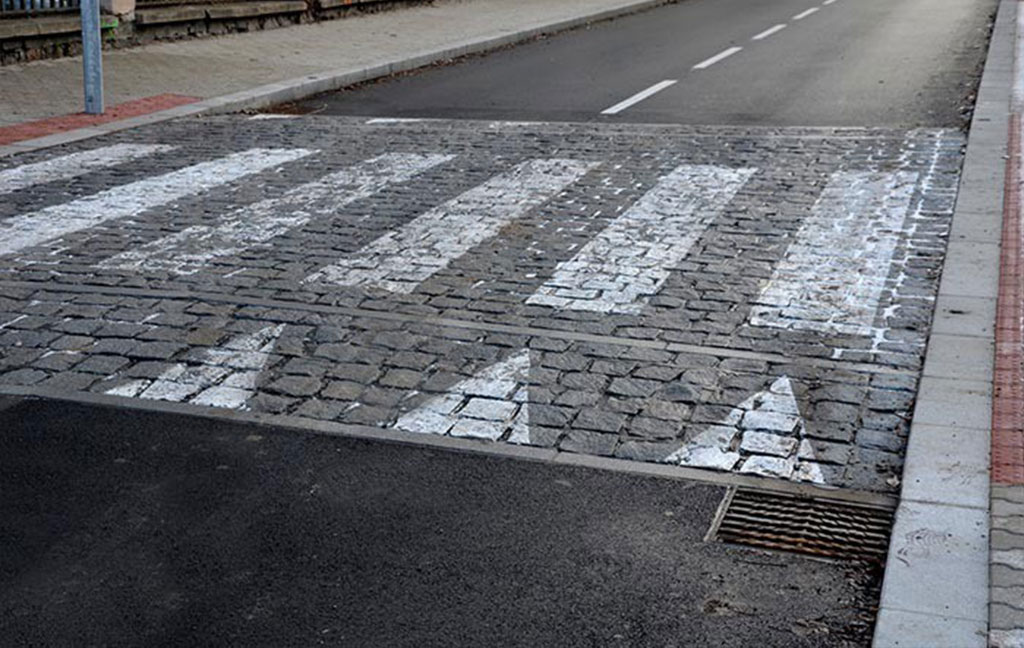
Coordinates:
[818,527]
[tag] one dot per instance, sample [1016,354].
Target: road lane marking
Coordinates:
[394,120]
[804,14]
[74,165]
[833,275]
[494,401]
[638,97]
[401,259]
[716,58]
[828,2]
[768,32]
[132,199]
[192,249]
[628,262]
[766,432]
[222,376]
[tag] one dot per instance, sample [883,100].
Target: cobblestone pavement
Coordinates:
[749,300]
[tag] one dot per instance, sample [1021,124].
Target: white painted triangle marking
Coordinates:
[73,165]
[403,258]
[134,198]
[763,435]
[486,406]
[223,377]
[190,250]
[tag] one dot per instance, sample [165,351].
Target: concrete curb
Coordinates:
[936,589]
[305,86]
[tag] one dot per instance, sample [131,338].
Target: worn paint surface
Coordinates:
[629,261]
[399,261]
[132,199]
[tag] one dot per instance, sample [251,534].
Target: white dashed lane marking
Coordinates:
[630,260]
[638,97]
[190,250]
[131,199]
[223,376]
[833,275]
[74,165]
[400,260]
[716,58]
[804,14]
[768,32]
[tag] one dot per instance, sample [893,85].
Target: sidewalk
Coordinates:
[306,58]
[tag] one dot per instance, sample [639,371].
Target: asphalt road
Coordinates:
[903,63]
[125,528]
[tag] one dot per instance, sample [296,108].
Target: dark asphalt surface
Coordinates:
[119,527]
[901,63]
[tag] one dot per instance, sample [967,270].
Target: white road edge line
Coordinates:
[640,96]
[804,14]
[716,58]
[768,32]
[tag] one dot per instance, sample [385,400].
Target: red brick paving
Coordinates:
[133,108]
[1008,381]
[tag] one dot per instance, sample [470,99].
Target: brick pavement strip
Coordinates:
[684,376]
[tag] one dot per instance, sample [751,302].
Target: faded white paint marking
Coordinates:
[763,435]
[401,259]
[804,14]
[833,275]
[393,120]
[263,117]
[192,249]
[128,200]
[1006,638]
[74,165]
[768,32]
[620,268]
[486,406]
[721,56]
[828,2]
[638,97]
[13,321]
[222,376]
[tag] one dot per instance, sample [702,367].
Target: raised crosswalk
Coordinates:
[830,280]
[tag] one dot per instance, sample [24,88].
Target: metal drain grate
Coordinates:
[818,527]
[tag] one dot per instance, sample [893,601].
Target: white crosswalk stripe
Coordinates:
[400,260]
[833,276]
[630,260]
[127,200]
[74,165]
[191,249]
